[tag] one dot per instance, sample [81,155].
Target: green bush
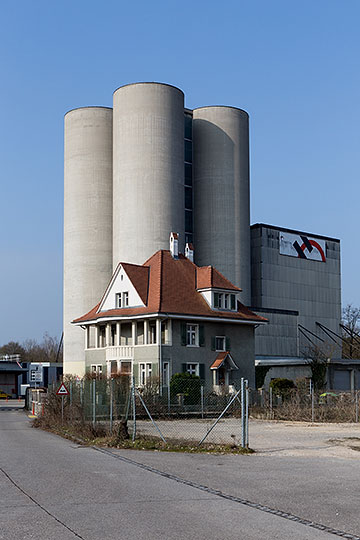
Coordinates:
[189,385]
[282,387]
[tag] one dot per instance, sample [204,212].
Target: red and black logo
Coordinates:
[308,245]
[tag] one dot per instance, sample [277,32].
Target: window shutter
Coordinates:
[183,368]
[227,344]
[183,334]
[201,335]
[233,301]
[213,345]
[202,371]
[216,300]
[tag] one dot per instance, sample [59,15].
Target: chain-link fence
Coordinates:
[188,412]
[303,405]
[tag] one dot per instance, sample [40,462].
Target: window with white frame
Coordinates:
[122,299]
[220,343]
[96,369]
[224,301]
[145,373]
[192,369]
[192,335]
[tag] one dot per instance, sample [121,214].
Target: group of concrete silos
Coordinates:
[124,193]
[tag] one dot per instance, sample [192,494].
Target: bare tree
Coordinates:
[13,347]
[49,350]
[317,358]
[351,331]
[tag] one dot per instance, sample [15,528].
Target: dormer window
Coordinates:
[122,300]
[224,301]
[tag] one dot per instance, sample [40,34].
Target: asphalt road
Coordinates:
[52,488]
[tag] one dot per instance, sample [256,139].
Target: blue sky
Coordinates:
[294,66]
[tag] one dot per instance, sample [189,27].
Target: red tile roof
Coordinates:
[209,277]
[219,360]
[168,285]
[139,277]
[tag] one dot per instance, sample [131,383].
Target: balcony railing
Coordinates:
[122,351]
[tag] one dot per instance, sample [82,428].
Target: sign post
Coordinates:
[62,391]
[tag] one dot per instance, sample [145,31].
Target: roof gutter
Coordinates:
[170,316]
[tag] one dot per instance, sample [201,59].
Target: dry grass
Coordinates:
[296,406]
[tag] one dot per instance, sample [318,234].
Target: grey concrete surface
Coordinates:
[221,193]
[87,222]
[148,170]
[51,488]
[296,469]
[310,287]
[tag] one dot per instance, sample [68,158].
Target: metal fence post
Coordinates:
[111,404]
[81,392]
[219,417]
[71,392]
[202,400]
[356,406]
[94,401]
[247,413]
[169,398]
[312,404]
[133,408]
[271,402]
[243,413]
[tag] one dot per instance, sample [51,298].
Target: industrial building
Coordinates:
[148,166]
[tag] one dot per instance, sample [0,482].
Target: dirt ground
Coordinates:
[268,437]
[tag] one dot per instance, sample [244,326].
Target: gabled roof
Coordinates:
[221,359]
[210,278]
[139,276]
[169,286]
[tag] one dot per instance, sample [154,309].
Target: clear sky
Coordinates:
[293,65]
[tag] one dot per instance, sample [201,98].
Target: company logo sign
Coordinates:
[303,247]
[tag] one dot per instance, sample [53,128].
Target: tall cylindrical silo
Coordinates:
[148,170]
[221,193]
[87,221]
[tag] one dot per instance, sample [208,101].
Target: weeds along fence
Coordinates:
[195,416]
[308,406]
[192,417]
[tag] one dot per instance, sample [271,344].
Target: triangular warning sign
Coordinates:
[62,390]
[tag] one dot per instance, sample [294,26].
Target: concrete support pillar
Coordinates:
[146,332]
[107,335]
[158,331]
[133,333]
[96,336]
[118,331]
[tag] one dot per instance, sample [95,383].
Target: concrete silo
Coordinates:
[221,193]
[148,170]
[87,221]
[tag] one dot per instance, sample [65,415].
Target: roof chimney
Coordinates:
[189,251]
[174,245]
